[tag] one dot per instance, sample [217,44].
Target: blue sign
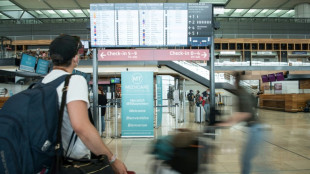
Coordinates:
[28,63]
[42,66]
[159,101]
[137,104]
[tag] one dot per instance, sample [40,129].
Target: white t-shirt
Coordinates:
[77,90]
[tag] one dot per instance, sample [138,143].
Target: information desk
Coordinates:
[3,100]
[284,102]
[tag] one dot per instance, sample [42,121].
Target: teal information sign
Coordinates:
[137,104]
[159,101]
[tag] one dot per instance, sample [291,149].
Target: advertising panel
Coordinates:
[137,104]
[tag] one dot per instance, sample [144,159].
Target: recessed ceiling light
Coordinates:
[39,12]
[277,11]
[77,11]
[64,11]
[291,11]
[51,11]
[239,10]
[252,11]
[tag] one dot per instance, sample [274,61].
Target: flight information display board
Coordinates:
[199,24]
[150,24]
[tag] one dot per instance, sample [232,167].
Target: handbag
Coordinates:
[63,164]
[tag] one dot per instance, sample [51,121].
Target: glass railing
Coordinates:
[228,63]
[260,63]
[195,68]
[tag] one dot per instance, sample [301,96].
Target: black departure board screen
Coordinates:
[150,24]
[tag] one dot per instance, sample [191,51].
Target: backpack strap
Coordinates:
[55,83]
[60,118]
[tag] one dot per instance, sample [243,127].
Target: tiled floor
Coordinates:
[286,150]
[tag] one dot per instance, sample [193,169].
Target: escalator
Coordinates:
[196,73]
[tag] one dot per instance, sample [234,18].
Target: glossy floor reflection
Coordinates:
[286,149]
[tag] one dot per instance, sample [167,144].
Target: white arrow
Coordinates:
[102,55]
[204,54]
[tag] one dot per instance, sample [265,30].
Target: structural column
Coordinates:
[302,10]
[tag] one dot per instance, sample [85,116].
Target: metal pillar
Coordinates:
[212,80]
[95,89]
[183,100]
[115,122]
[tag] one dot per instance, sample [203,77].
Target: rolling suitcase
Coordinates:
[199,114]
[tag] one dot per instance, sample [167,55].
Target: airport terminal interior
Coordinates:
[147,56]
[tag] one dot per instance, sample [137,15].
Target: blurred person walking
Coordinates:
[247,113]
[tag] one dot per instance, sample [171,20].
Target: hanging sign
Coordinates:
[150,55]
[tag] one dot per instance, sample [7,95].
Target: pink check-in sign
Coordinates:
[150,54]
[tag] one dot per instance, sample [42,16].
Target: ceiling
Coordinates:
[37,9]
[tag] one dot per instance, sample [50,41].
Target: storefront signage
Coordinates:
[150,55]
[137,104]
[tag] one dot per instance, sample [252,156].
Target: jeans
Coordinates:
[206,107]
[102,124]
[252,146]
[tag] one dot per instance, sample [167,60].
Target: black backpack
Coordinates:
[190,97]
[28,129]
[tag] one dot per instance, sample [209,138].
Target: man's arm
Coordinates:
[89,135]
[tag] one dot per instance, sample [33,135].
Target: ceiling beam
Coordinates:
[250,7]
[9,8]
[283,4]
[245,12]
[270,13]
[80,7]
[258,13]
[87,14]
[6,15]
[44,14]
[229,15]
[71,13]
[23,14]
[52,8]
[23,8]
[257,1]
[227,3]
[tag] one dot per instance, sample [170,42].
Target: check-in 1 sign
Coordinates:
[150,54]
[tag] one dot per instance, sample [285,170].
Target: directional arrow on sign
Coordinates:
[102,55]
[204,54]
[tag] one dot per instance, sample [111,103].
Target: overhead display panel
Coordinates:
[150,24]
[175,24]
[127,24]
[199,24]
[102,25]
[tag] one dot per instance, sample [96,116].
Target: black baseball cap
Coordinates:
[63,48]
